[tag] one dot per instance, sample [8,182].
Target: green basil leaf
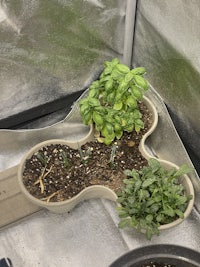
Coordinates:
[138,71]
[109,85]
[93,102]
[97,118]
[128,77]
[111,98]
[87,118]
[84,108]
[122,68]
[100,110]
[136,92]
[131,102]
[109,128]
[141,82]
[115,61]
[123,86]
[118,105]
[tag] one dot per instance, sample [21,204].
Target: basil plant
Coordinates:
[112,101]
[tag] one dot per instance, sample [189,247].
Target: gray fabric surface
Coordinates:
[51,49]
[166,42]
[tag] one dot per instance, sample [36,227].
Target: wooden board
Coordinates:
[13,205]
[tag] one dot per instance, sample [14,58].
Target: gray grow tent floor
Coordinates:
[88,236]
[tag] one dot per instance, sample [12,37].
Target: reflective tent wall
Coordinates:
[167,43]
[51,50]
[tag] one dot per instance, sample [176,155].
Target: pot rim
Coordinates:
[150,252]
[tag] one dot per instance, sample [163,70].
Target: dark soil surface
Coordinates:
[58,172]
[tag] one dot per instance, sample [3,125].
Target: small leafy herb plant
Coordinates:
[112,101]
[152,197]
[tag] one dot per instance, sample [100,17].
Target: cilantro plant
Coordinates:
[152,197]
[112,101]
